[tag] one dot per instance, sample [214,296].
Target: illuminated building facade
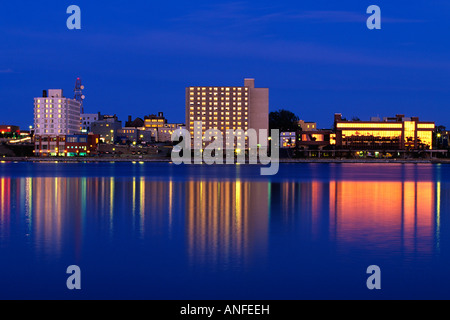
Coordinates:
[134,135]
[399,133]
[227,108]
[155,121]
[54,118]
[164,134]
[287,139]
[107,127]
[81,144]
[307,126]
[316,139]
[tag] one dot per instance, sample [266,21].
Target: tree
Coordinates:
[283,120]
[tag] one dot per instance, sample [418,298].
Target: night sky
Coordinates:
[317,57]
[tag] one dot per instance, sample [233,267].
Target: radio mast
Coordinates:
[79,93]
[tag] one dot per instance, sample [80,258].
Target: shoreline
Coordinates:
[167,160]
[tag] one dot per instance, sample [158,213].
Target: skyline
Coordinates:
[204,156]
[316,58]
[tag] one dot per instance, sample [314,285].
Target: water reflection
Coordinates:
[227,222]
[223,223]
[391,216]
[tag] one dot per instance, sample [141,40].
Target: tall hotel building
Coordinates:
[224,108]
[54,118]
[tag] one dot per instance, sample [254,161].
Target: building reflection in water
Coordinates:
[398,217]
[57,213]
[226,221]
[392,216]
[5,207]
[223,223]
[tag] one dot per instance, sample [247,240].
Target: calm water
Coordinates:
[160,231]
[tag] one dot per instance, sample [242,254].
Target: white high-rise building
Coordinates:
[54,117]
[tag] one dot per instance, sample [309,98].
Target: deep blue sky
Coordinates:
[317,57]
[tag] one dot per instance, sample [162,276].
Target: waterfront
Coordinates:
[160,231]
